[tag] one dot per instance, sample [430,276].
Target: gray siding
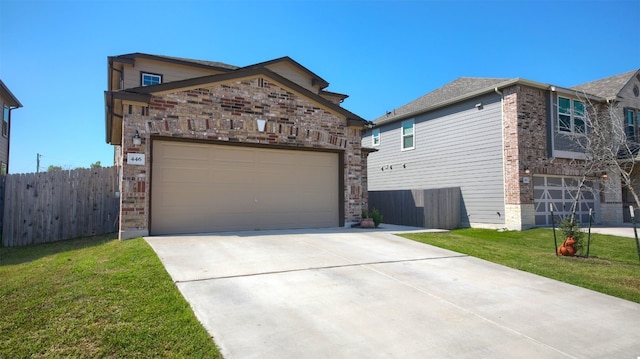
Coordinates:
[629,99]
[457,146]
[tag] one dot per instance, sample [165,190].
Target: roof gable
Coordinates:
[139,93]
[7,96]
[317,80]
[608,87]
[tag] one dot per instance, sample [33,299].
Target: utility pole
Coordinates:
[38,162]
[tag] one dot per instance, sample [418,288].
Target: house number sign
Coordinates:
[135,158]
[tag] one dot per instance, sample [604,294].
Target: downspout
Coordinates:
[552,129]
[504,164]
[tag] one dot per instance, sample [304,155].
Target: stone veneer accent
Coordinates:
[227,112]
[525,132]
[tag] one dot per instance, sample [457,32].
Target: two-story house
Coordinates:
[9,103]
[507,144]
[207,147]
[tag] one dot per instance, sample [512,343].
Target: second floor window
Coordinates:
[376,137]
[571,115]
[631,124]
[147,79]
[5,121]
[408,140]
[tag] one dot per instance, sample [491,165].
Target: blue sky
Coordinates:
[383,54]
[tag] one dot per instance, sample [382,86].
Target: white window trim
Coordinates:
[572,116]
[6,116]
[143,74]
[635,118]
[413,134]
[375,134]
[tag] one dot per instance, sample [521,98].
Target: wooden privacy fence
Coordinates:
[53,206]
[427,208]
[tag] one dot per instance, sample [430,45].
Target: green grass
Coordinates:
[613,267]
[94,297]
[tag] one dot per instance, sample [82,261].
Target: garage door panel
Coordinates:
[560,193]
[181,151]
[229,188]
[184,175]
[204,204]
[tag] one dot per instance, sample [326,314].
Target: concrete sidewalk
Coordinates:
[351,293]
[620,231]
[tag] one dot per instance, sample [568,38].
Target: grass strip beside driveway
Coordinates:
[94,297]
[612,268]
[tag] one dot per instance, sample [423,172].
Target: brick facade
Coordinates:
[227,112]
[526,147]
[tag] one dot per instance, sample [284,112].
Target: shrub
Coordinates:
[377,217]
[571,228]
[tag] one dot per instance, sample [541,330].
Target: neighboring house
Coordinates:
[208,147]
[9,103]
[505,143]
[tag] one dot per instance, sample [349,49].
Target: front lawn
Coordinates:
[94,297]
[613,267]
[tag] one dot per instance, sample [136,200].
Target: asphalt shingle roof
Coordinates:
[452,90]
[607,87]
[201,62]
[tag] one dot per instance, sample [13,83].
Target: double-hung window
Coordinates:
[375,137]
[408,135]
[147,79]
[5,120]
[571,116]
[631,124]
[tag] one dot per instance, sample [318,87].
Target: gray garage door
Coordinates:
[560,192]
[199,188]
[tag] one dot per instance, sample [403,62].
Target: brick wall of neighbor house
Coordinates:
[525,146]
[227,112]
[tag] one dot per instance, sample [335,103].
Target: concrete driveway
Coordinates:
[352,293]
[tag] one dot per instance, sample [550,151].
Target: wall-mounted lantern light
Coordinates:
[137,141]
[261,124]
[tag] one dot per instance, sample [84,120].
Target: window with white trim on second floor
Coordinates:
[571,115]
[375,137]
[5,120]
[631,124]
[408,135]
[147,79]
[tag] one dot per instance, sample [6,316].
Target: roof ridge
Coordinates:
[627,74]
[181,59]
[453,89]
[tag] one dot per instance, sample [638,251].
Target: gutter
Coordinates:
[496,88]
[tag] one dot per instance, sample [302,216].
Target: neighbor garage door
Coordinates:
[211,188]
[560,192]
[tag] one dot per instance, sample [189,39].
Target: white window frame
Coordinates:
[412,135]
[635,117]
[572,115]
[375,137]
[152,76]
[6,115]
